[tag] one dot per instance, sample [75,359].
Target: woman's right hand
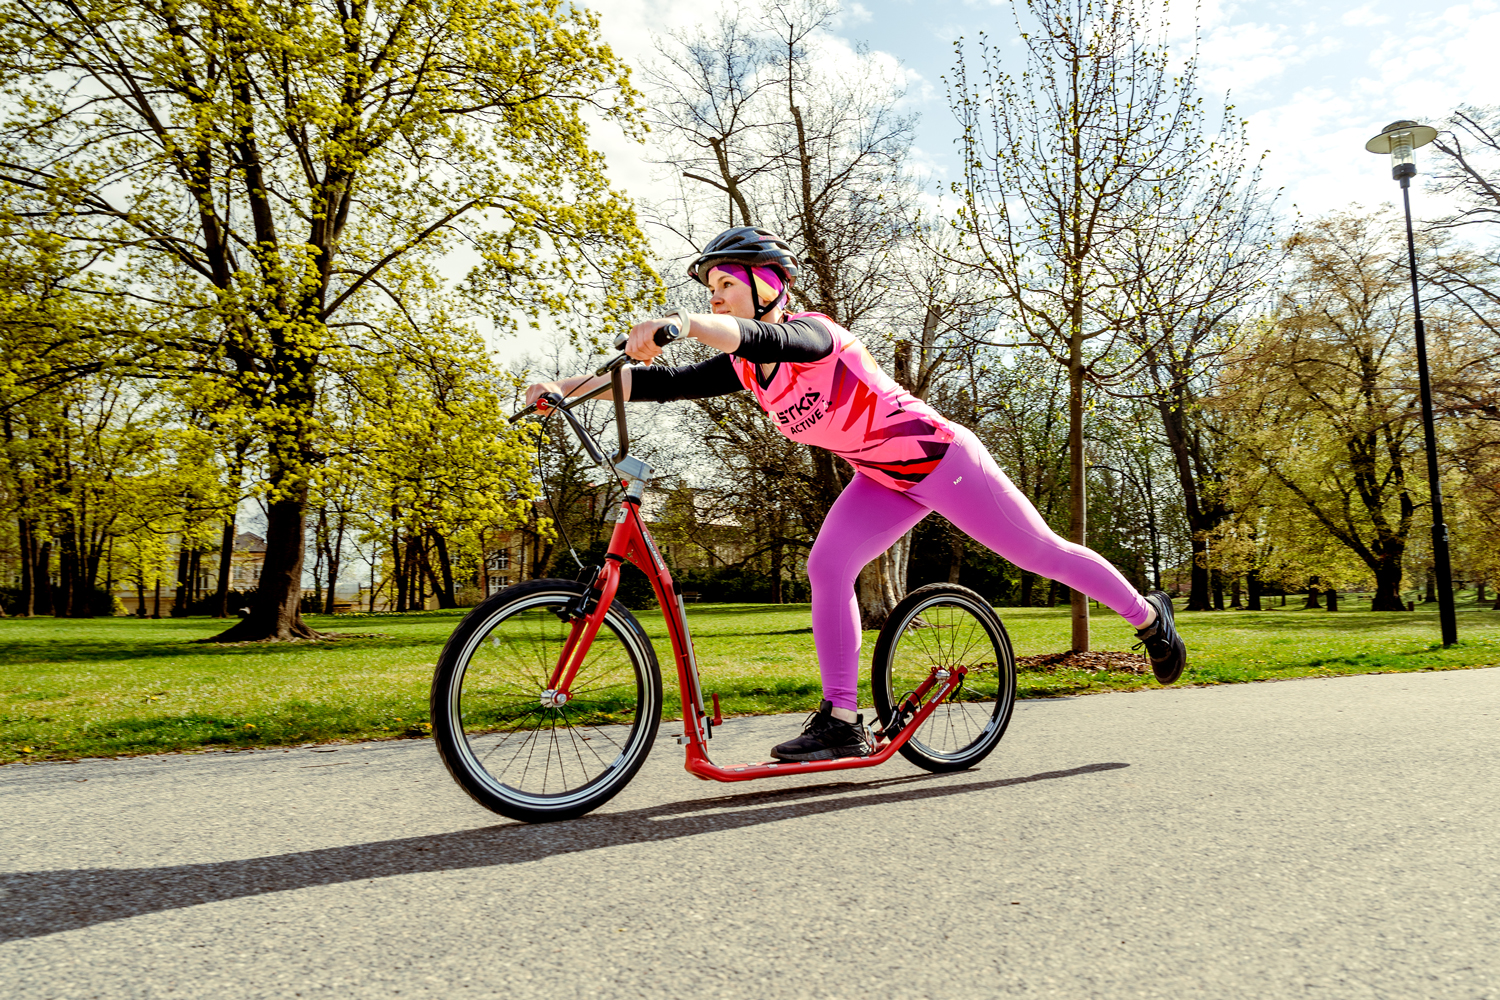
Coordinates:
[642,344]
[537,390]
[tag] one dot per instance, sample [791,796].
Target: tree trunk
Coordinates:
[1028,586]
[274,614]
[1078,498]
[226,549]
[335,560]
[416,597]
[776,561]
[67,558]
[446,596]
[226,562]
[1234,593]
[1217,580]
[1252,584]
[180,596]
[955,554]
[882,583]
[42,579]
[320,550]
[140,594]
[27,542]
[1312,595]
[1430,596]
[1177,441]
[398,571]
[156,608]
[1332,595]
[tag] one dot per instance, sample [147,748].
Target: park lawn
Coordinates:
[115,686]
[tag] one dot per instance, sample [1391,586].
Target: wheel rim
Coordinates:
[950,633]
[548,756]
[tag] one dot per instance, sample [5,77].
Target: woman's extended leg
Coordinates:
[863,522]
[970,490]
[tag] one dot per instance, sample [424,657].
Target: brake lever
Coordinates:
[547,401]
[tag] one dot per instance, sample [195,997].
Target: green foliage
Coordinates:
[266,189]
[124,686]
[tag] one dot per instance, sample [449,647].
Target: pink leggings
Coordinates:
[968,489]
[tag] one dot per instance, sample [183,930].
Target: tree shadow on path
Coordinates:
[47,902]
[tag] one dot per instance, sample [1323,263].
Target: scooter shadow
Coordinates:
[48,902]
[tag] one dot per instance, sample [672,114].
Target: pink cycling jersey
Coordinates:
[846,404]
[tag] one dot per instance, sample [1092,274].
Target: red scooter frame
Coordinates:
[632,541]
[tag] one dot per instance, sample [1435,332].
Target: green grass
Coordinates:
[116,686]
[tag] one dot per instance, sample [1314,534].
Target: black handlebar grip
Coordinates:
[664,336]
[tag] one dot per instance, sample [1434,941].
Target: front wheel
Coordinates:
[500,737]
[943,626]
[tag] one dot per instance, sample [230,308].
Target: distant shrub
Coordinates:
[103,604]
[732,584]
[237,599]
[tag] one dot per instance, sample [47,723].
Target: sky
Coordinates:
[1314,80]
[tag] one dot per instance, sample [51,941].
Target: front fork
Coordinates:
[587,617]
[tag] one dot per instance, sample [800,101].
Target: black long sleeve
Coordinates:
[799,341]
[664,383]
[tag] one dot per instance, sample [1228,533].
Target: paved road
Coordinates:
[1320,838]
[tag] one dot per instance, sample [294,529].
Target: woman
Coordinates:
[819,385]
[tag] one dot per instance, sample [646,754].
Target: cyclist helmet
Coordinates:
[753,246]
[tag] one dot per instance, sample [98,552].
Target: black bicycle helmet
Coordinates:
[752,245]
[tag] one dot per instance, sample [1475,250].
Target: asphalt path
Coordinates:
[1317,838]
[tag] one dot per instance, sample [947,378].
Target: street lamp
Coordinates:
[1400,139]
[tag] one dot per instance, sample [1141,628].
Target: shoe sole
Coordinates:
[1172,676]
[803,758]
[1180,648]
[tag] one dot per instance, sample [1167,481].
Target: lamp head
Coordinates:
[1400,139]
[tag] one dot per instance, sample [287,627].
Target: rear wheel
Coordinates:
[942,627]
[501,741]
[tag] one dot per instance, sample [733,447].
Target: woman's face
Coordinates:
[730,296]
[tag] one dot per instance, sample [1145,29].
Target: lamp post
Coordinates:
[1400,139]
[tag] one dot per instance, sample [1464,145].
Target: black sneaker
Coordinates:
[1163,645]
[824,738]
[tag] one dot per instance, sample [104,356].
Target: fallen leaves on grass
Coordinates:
[322,637]
[1103,661]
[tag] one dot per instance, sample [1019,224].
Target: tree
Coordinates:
[437,466]
[1065,165]
[1326,418]
[1191,279]
[263,176]
[768,121]
[1467,277]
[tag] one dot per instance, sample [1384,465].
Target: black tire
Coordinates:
[945,625]
[512,754]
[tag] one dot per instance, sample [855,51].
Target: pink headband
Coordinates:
[763,275]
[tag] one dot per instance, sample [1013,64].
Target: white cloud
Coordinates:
[1364,17]
[852,14]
